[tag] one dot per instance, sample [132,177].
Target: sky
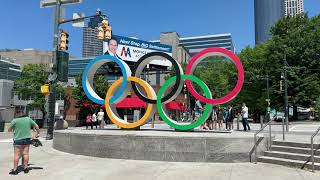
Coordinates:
[25,25]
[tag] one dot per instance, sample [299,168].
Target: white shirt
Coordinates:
[110,53]
[245,112]
[100,116]
[94,118]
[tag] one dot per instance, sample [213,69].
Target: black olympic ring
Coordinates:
[141,63]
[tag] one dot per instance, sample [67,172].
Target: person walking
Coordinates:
[244,114]
[21,127]
[100,117]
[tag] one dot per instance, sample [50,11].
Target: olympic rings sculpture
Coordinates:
[120,88]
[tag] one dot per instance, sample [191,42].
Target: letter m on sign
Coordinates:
[125,52]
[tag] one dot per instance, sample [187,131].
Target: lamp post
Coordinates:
[286,113]
[52,79]
[267,78]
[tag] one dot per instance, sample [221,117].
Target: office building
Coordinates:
[183,48]
[9,70]
[27,56]
[293,7]
[91,46]
[266,14]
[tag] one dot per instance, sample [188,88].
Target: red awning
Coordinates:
[175,105]
[132,102]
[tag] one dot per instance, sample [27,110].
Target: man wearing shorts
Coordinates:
[21,128]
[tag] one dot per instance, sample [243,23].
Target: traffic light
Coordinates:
[64,41]
[104,23]
[100,33]
[104,31]
[62,65]
[107,33]
[281,89]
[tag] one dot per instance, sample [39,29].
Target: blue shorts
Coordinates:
[26,141]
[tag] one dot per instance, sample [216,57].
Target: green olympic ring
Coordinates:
[174,124]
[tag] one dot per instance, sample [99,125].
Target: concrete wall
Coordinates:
[7,114]
[159,148]
[6,92]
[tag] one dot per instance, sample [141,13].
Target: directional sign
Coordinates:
[50,3]
[78,23]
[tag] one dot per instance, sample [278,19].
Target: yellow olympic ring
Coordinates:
[150,107]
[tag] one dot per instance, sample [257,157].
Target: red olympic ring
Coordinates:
[215,51]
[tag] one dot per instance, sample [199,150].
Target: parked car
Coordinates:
[279,116]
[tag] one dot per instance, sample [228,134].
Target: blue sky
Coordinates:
[25,25]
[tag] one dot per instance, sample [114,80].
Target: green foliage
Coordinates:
[296,39]
[254,90]
[33,76]
[100,85]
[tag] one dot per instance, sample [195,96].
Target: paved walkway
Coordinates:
[48,163]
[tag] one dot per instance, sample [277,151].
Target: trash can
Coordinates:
[2,124]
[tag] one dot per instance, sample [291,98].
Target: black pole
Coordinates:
[286,113]
[52,95]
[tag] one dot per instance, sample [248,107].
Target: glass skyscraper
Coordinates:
[92,46]
[266,14]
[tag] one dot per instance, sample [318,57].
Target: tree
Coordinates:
[33,76]
[296,39]
[100,85]
[254,90]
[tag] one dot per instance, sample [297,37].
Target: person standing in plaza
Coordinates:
[94,120]
[231,116]
[209,121]
[100,118]
[225,116]
[21,127]
[89,121]
[244,114]
[219,117]
[198,113]
[214,118]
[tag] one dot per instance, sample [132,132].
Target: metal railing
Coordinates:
[255,139]
[312,148]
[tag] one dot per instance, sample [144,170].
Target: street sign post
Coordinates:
[50,3]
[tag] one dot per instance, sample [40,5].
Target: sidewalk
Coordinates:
[48,163]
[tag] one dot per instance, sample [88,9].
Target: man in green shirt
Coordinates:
[21,127]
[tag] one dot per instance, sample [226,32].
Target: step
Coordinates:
[293,156]
[288,162]
[295,150]
[295,144]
